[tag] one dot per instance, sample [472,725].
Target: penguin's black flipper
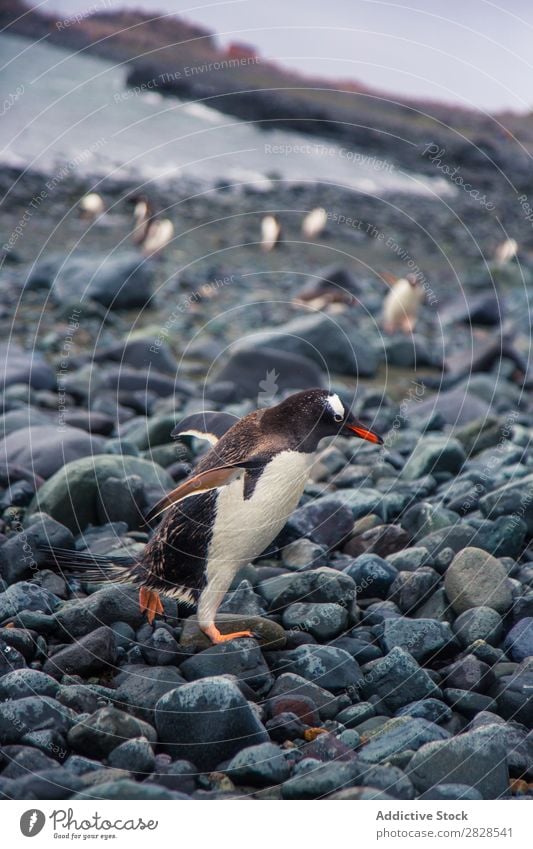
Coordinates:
[209,425]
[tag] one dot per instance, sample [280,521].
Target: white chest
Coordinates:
[244,528]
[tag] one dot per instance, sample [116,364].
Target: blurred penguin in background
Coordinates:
[91,206]
[401,305]
[270,233]
[314,223]
[151,233]
[505,252]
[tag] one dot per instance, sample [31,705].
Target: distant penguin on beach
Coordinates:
[150,232]
[401,304]
[505,252]
[270,233]
[314,223]
[91,206]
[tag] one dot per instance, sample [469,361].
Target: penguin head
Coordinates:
[316,413]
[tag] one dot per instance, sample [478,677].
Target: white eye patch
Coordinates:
[336,405]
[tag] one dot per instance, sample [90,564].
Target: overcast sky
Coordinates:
[472,51]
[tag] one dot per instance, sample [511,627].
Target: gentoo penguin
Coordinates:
[91,206]
[150,232]
[505,252]
[270,232]
[400,307]
[314,223]
[230,509]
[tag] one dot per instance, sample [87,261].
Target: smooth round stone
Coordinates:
[207,722]
[259,766]
[268,633]
[445,792]
[519,641]
[134,755]
[479,623]
[323,621]
[476,579]
[303,554]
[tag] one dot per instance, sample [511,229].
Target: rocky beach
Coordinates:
[393,616]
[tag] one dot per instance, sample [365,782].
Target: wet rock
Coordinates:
[317,586]
[397,680]
[324,339]
[478,623]
[476,579]
[122,500]
[468,703]
[135,756]
[25,367]
[22,554]
[127,790]
[410,589]
[160,649]
[303,554]
[26,596]
[285,726]
[56,783]
[259,766]
[323,621]
[90,654]
[424,518]
[106,729]
[243,601]
[104,607]
[32,713]
[389,779]
[468,673]
[71,495]
[431,709]
[372,575]
[444,792]
[434,454]
[519,641]
[47,448]
[315,780]
[456,407]
[475,758]
[10,659]
[24,759]
[325,521]
[27,682]
[178,776]
[247,368]
[139,688]
[400,734]
[329,667]
[122,280]
[512,499]
[241,657]
[289,684]
[423,638]
[410,559]
[301,706]
[207,721]
[514,695]
[269,634]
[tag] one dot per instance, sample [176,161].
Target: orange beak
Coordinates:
[364,433]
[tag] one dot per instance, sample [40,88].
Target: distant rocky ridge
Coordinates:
[183,59]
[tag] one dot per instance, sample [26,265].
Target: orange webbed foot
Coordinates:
[150,602]
[216,637]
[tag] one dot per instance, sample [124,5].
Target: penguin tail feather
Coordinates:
[91,567]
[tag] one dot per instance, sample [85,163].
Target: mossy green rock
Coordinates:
[71,495]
